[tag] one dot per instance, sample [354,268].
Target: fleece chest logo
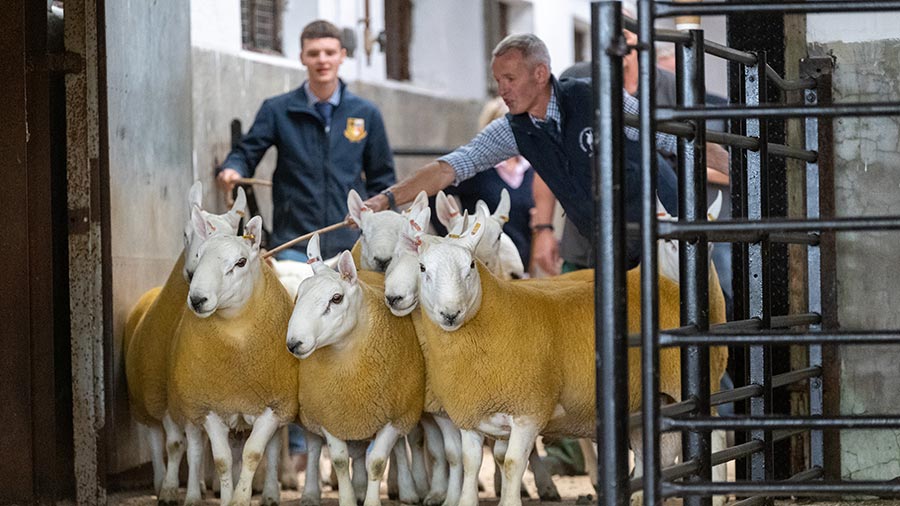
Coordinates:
[356,129]
[586,140]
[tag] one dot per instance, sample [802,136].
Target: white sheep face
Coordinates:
[449,283]
[380,230]
[328,308]
[227,272]
[401,281]
[212,223]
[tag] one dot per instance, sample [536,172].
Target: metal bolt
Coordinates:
[810,96]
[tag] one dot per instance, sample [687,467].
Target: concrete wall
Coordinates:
[149,113]
[867,184]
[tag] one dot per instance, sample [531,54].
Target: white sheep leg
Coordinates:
[168,494]
[416,440]
[272,490]
[221,450]
[720,472]
[408,492]
[312,486]
[542,479]
[499,452]
[472,443]
[590,461]
[264,427]
[437,493]
[359,473]
[453,450]
[393,489]
[669,451]
[521,441]
[156,438]
[376,462]
[340,462]
[196,445]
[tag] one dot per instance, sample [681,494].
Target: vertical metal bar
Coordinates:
[610,307]
[814,280]
[694,256]
[760,357]
[649,270]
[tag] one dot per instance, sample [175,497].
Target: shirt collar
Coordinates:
[552,109]
[311,98]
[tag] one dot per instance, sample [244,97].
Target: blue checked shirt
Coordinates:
[497,143]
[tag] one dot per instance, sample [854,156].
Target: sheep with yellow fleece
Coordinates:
[229,369]
[146,347]
[493,348]
[362,374]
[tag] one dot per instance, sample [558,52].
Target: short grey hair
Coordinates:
[533,49]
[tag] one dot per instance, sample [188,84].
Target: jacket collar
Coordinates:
[299,102]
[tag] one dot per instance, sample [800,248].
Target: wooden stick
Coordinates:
[247,181]
[305,237]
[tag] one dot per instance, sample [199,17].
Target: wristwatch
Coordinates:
[392,203]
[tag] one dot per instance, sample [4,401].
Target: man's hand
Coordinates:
[717,158]
[226,179]
[545,251]
[377,203]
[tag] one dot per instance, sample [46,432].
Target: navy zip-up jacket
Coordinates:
[315,170]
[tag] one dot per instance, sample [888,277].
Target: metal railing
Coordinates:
[756,231]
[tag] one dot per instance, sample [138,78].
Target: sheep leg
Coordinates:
[168,494]
[590,461]
[195,450]
[358,474]
[264,427]
[542,479]
[453,450]
[416,440]
[408,492]
[499,452]
[312,486]
[221,450]
[719,473]
[286,466]
[157,455]
[435,444]
[376,462]
[393,488]
[340,462]
[472,443]
[272,489]
[521,441]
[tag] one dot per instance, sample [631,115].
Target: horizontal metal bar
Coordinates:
[734,395]
[422,151]
[738,141]
[778,422]
[670,473]
[669,9]
[692,230]
[674,409]
[719,339]
[784,488]
[778,111]
[787,378]
[809,474]
[795,85]
[679,37]
[777,322]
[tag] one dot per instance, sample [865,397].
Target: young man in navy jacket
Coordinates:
[327,140]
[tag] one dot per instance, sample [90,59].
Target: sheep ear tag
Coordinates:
[475,228]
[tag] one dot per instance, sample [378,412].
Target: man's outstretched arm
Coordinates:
[432,178]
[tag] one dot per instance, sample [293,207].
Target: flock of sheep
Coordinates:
[411,337]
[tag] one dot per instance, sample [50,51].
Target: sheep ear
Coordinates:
[253,233]
[473,234]
[446,209]
[459,228]
[314,253]
[201,227]
[195,195]
[239,209]
[355,206]
[421,201]
[347,268]
[414,231]
[712,214]
[502,211]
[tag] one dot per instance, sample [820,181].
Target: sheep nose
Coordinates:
[382,263]
[392,299]
[197,302]
[449,318]
[293,346]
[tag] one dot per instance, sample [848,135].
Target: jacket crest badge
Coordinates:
[356,129]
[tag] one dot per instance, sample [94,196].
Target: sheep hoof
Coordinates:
[414,499]
[434,499]
[269,501]
[550,494]
[307,500]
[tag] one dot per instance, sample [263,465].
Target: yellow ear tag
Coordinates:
[475,228]
[505,219]
[453,236]
[239,213]
[249,237]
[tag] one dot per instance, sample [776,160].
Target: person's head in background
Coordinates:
[521,67]
[493,109]
[322,53]
[665,56]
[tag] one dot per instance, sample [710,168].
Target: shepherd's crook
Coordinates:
[305,237]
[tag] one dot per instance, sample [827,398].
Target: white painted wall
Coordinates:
[859,27]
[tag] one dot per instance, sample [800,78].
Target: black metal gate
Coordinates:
[752,230]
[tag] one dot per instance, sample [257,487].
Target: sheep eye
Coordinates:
[240,263]
[422,267]
[337,298]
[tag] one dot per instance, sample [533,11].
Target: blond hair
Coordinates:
[493,109]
